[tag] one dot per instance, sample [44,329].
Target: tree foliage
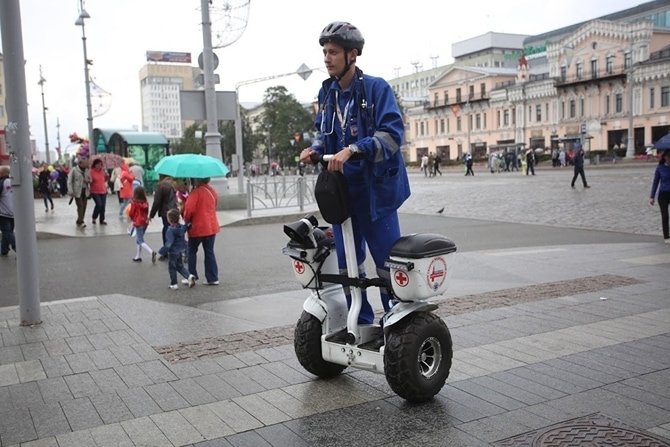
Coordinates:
[286,120]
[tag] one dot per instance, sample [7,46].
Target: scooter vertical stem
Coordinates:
[352,272]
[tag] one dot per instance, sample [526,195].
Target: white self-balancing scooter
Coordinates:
[412,346]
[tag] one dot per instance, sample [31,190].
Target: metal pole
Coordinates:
[212,136]
[44,116]
[630,146]
[87,80]
[18,142]
[239,148]
[58,136]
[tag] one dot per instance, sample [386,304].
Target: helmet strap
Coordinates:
[347,65]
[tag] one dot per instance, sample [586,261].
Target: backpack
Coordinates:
[2,184]
[172,200]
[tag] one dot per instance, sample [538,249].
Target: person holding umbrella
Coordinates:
[662,185]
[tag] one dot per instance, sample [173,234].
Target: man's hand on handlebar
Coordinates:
[337,162]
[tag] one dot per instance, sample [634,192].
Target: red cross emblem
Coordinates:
[299,267]
[401,278]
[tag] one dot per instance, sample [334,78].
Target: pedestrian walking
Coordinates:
[62,180]
[79,187]
[139,215]
[436,165]
[662,185]
[174,248]
[6,212]
[99,178]
[424,165]
[530,162]
[359,114]
[45,187]
[578,163]
[165,199]
[200,213]
[126,192]
[468,165]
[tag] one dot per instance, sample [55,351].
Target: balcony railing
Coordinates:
[590,76]
[462,99]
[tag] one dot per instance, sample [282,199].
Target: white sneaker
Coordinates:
[173,287]
[185,281]
[667,241]
[191,281]
[212,283]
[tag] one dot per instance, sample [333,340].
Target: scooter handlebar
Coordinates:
[325,158]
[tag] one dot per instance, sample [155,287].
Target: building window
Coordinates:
[628,60]
[665,96]
[580,70]
[573,112]
[607,104]
[546,111]
[482,87]
[470,121]
[499,114]
[594,68]
[581,106]
[446,98]
[458,124]
[651,97]
[484,121]
[422,129]
[478,121]
[506,118]
[435,101]
[442,128]
[447,125]
[2,111]
[618,103]
[609,64]
[564,73]
[538,112]
[563,109]
[530,113]
[416,128]
[458,95]
[472,92]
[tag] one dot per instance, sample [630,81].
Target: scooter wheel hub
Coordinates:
[430,357]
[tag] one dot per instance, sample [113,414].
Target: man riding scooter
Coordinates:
[359,114]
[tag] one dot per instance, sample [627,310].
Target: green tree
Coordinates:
[286,120]
[249,139]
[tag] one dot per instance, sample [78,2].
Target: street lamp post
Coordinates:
[89,112]
[630,146]
[44,116]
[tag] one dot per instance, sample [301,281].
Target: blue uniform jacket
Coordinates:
[662,179]
[175,242]
[378,184]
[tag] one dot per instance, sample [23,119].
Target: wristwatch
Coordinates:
[353,149]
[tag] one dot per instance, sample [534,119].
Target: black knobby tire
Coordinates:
[307,344]
[417,357]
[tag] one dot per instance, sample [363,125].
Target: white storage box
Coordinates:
[421,266]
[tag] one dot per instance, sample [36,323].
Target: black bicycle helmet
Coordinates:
[343,33]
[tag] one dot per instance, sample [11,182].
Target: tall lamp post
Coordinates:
[630,145]
[44,116]
[83,15]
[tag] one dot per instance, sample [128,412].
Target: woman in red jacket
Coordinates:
[200,213]
[126,193]
[99,178]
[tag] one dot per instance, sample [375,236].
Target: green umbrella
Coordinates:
[191,166]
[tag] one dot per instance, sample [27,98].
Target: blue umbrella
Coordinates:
[191,166]
[663,144]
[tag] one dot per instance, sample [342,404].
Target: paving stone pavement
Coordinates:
[541,336]
[545,198]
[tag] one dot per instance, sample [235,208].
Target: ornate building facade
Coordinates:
[604,83]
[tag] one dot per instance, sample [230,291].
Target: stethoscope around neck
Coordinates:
[344,119]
